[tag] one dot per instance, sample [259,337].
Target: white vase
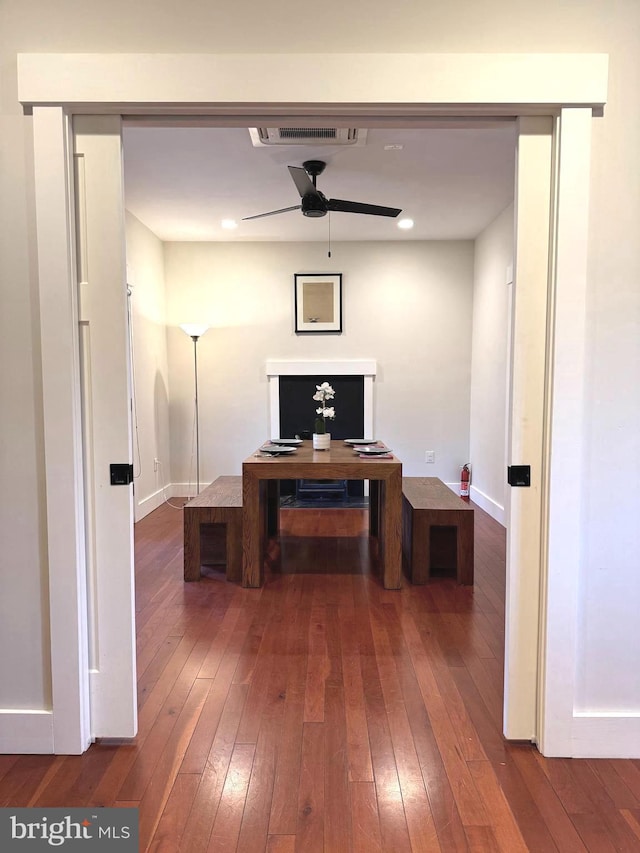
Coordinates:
[321,440]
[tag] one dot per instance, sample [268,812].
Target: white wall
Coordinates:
[25,669]
[145,276]
[493,259]
[407,305]
[610,576]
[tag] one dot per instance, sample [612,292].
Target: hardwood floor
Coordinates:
[323,713]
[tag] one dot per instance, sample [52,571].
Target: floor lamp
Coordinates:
[196,331]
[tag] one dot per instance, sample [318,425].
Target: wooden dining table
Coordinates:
[260,501]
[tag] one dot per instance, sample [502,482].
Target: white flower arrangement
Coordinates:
[323,393]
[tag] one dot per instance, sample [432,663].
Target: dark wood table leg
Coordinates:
[263,497]
[374,507]
[273,507]
[391,524]
[192,518]
[251,531]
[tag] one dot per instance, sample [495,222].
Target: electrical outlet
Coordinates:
[429,456]
[156,464]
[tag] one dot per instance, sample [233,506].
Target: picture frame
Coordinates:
[318,303]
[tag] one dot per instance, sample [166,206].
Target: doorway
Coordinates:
[51,132]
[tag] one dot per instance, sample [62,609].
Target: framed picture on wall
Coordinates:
[318,303]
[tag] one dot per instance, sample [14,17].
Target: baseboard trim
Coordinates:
[151,502]
[483,501]
[606,736]
[172,490]
[25,732]
[487,504]
[185,490]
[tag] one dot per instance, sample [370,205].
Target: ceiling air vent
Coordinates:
[307,136]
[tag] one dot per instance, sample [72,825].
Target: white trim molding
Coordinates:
[563,535]
[448,81]
[62,407]
[146,505]
[486,503]
[606,735]
[365,367]
[26,732]
[312,367]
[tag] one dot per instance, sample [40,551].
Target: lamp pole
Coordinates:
[194,338]
[195,332]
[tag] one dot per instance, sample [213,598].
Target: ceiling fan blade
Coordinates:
[303,182]
[272,212]
[342,206]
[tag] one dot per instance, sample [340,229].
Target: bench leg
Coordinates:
[420,549]
[234,548]
[464,557]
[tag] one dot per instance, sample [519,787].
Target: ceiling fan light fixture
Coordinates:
[229,224]
[314,205]
[405,224]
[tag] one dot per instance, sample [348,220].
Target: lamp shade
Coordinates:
[194,330]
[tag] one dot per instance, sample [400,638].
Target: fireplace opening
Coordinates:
[297,406]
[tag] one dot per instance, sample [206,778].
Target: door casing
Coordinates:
[402,90]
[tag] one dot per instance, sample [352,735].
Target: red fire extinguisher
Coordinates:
[465,477]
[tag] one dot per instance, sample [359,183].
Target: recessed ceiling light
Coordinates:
[229,223]
[405,224]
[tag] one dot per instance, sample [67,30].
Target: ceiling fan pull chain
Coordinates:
[329,218]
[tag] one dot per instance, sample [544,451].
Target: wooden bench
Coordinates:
[218,504]
[428,504]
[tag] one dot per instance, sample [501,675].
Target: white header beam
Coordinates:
[175,81]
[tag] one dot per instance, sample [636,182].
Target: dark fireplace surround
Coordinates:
[298,409]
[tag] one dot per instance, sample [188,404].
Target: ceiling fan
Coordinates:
[314,203]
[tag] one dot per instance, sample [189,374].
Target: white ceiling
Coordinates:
[181,182]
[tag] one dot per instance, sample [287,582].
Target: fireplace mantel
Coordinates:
[275,368]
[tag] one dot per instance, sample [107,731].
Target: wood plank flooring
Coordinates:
[323,713]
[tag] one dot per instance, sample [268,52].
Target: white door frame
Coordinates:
[401,89]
